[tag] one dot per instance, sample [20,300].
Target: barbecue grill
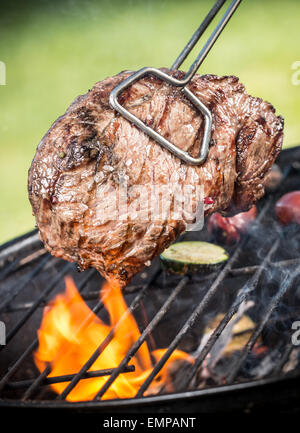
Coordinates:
[171,311]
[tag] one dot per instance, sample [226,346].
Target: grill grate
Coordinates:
[27,285]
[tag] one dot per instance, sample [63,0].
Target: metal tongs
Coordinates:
[113,99]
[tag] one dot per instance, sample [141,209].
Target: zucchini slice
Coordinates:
[193,256]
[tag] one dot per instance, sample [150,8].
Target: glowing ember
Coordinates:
[70,332]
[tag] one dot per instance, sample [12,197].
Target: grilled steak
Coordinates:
[91,152]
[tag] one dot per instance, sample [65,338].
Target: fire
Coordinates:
[70,332]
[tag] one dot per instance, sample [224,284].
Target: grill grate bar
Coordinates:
[37,303]
[17,364]
[252,269]
[188,324]
[30,276]
[285,285]
[280,365]
[248,287]
[12,247]
[68,377]
[255,272]
[150,327]
[200,308]
[10,268]
[36,383]
[107,340]
[21,260]
[39,380]
[156,319]
[89,296]
[92,295]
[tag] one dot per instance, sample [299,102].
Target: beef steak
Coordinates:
[91,152]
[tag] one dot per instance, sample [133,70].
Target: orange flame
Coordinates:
[70,332]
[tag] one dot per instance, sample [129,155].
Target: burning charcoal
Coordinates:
[266,364]
[220,359]
[155,389]
[287,208]
[177,375]
[242,330]
[229,230]
[205,376]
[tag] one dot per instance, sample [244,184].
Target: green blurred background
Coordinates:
[55,50]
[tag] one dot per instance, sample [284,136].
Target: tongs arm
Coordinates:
[113,99]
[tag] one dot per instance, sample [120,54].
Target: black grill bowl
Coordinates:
[178,309]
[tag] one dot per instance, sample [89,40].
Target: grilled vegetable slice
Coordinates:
[193,256]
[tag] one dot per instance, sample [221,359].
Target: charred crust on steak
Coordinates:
[102,150]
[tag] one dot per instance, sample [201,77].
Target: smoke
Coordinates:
[267,297]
